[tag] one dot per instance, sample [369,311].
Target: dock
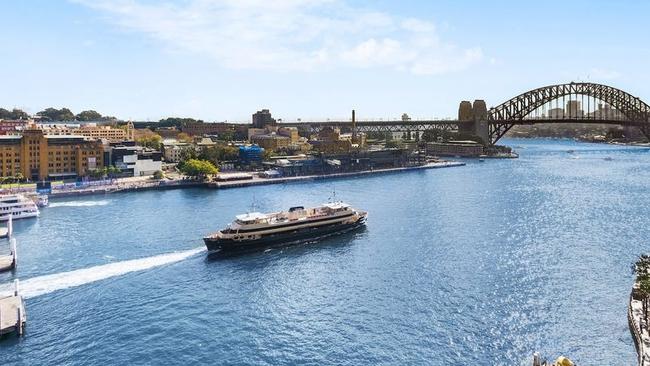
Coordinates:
[301,178]
[12,313]
[5,232]
[8,262]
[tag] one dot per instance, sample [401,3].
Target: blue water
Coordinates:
[476,265]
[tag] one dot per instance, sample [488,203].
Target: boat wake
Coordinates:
[42,285]
[79,203]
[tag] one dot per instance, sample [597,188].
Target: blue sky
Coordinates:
[224,59]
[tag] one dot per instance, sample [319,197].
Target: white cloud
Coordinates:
[290,34]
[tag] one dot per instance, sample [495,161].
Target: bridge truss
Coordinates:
[535,106]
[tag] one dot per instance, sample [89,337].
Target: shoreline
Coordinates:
[265,181]
[146,186]
[636,324]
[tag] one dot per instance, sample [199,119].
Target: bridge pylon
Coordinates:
[473,119]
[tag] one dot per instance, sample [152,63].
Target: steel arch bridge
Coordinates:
[534,106]
[629,110]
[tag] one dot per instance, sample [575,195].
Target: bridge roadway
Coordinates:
[378,125]
[443,124]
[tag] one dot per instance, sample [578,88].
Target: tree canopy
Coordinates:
[53,114]
[91,115]
[13,114]
[198,168]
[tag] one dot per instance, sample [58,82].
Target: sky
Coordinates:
[221,60]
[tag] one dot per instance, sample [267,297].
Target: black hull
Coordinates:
[289,237]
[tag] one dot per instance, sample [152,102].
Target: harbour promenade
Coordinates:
[147,183]
[262,181]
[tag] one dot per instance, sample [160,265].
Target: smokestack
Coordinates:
[354,127]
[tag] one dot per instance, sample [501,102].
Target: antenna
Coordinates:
[253,206]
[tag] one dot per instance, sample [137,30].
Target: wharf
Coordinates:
[262,181]
[12,313]
[9,261]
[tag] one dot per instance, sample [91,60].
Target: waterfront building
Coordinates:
[37,156]
[455,148]
[135,160]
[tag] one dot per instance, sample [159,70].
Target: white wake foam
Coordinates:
[42,285]
[79,203]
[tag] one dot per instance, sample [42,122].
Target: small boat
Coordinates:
[17,206]
[608,158]
[41,200]
[299,224]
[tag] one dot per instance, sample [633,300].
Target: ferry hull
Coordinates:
[289,237]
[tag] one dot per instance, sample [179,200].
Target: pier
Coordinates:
[263,181]
[12,313]
[8,261]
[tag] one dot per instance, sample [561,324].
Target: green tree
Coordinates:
[642,270]
[90,115]
[188,152]
[113,171]
[53,114]
[227,135]
[218,154]
[158,174]
[13,114]
[153,141]
[183,137]
[198,168]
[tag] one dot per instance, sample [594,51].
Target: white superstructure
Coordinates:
[17,206]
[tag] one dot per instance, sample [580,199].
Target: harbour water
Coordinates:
[475,265]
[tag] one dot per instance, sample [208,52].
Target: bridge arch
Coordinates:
[516,110]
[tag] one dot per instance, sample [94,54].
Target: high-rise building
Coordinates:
[262,119]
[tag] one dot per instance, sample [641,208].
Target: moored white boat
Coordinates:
[17,206]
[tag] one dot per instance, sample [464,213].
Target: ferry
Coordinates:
[17,206]
[299,224]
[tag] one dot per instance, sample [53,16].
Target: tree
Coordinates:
[89,115]
[642,270]
[148,138]
[183,137]
[158,174]
[53,114]
[198,168]
[217,154]
[188,153]
[113,171]
[13,114]
[227,135]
